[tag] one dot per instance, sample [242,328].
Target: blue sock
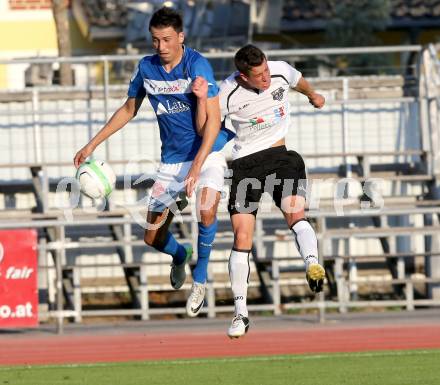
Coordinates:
[204,246]
[173,248]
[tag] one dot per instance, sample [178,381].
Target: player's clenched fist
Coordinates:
[200,87]
[317,100]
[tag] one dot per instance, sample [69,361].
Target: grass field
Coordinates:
[417,367]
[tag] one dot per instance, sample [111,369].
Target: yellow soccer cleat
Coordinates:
[315,277]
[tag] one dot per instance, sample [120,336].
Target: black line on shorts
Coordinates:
[241,250]
[254,213]
[280,76]
[230,94]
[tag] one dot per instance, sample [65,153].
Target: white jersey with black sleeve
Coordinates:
[258,118]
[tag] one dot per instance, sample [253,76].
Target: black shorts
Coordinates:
[277,171]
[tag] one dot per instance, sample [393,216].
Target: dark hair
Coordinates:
[247,57]
[166,17]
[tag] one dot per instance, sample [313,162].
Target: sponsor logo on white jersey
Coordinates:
[255,121]
[258,124]
[279,114]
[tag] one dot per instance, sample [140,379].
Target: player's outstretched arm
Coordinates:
[118,120]
[200,90]
[315,99]
[211,130]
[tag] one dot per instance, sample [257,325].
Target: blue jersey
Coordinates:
[174,103]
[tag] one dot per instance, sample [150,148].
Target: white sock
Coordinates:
[306,242]
[239,271]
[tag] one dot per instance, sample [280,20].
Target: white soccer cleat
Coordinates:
[196,299]
[178,273]
[239,326]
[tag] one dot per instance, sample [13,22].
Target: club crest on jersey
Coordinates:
[278,94]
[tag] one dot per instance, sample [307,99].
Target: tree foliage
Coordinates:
[355,24]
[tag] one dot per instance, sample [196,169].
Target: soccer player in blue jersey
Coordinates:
[191,156]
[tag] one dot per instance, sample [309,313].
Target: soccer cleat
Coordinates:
[239,326]
[177,273]
[315,277]
[196,299]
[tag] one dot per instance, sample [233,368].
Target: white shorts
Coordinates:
[169,184]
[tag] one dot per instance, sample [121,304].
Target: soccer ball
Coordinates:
[96,179]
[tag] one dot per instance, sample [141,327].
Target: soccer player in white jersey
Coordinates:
[254,103]
[191,156]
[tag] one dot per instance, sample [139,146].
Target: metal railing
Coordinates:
[101,95]
[346,282]
[343,149]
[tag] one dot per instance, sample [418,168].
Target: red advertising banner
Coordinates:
[18,278]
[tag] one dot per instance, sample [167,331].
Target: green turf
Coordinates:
[381,368]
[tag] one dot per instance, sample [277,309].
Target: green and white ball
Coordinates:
[96,179]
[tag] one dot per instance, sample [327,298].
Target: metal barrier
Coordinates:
[345,281]
[406,145]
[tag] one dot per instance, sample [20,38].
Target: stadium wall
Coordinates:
[20,19]
[30,4]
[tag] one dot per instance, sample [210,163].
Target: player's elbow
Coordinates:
[130,108]
[125,112]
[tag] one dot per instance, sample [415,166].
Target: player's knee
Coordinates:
[207,217]
[242,240]
[150,238]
